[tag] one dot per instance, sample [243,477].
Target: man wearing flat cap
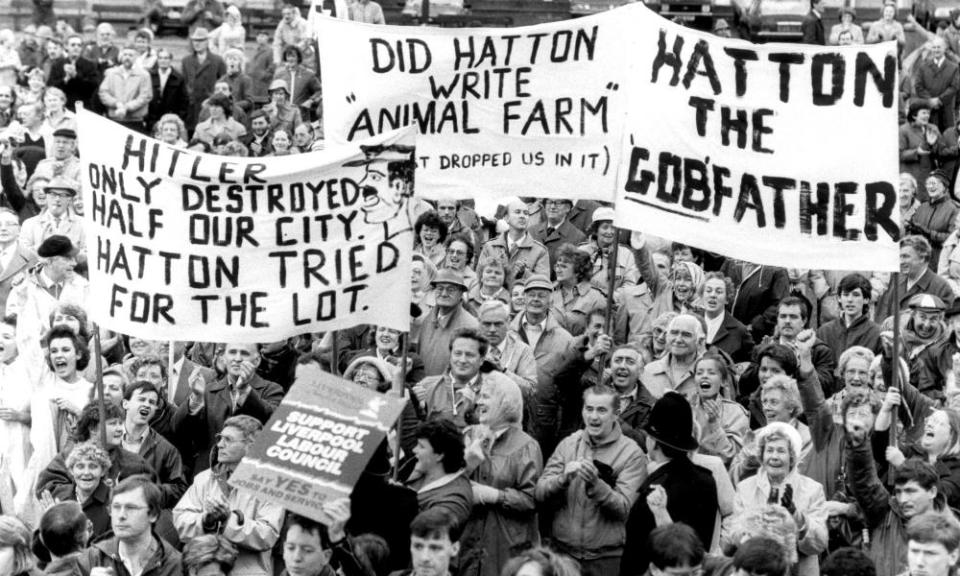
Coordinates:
[63,161]
[677,490]
[37,292]
[443,320]
[57,219]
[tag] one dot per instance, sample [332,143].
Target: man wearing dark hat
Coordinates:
[57,219]
[916,277]
[444,319]
[303,84]
[64,162]
[200,71]
[52,282]
[677,490]
[590,482]
[935,218]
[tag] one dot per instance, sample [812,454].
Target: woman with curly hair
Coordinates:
[89,466]
[210,555]
[430,232]
[540,560]
[574,298]
[171,130]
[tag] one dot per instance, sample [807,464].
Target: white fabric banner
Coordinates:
[189,246]
[533,110]
[775,154]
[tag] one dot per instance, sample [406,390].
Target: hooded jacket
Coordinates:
[589,521]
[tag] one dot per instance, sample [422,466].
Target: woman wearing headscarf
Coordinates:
[574,298]
[778,482]
[503,464]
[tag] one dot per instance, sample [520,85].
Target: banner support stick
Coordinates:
[98,359]
[611,287]
[895,370]
[399,385]
[334,354]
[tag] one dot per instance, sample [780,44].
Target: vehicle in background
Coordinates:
[780,20]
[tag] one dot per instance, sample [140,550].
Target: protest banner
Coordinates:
[190,246]
[316,444]
[774,154]
[532,110]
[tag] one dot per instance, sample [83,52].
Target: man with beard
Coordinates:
[259,137]
[241,392]
[77,76]
[126,92]
[213,505]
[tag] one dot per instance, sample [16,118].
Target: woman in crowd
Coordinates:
[723,423]
[724,332]
[88,465]
[281,143]
[422,274]
[848,19]
[940,446]
[220,122]
[16,559]
[908,196]
[230,34]
[503,464]
[209,555]
[146,58]
[8,105]
[33,90]
[936,217]
[31,118]
[492,282]
[430,232]
[918,143]
[574,298]
[778,482]
[540,561]
[375,373]
[602,233]
[887,28]
[171,130]
[458,255]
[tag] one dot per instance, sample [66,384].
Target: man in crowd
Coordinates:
[674,372]
[443,321]
[791,321]
[134,548]
[854,326]
[126,92]
[211,505]
[936,81]
[64,532]
[200,69]
[915,278]
[240,392]
[77,76]
[508,353]
[590,483]
[292,30]
[812,25]
[168,89]
[64,163]
[460,219]
[933,545]
[103,52]
[635,400]
[39,291]
[524,255]
[555,230]
[303,84]
[57,220]
[259,137]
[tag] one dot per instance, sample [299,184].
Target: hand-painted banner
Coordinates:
[533,110]
[316,444]
[774,154]
[190,246]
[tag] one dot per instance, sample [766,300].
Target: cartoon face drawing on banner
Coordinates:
[388,182]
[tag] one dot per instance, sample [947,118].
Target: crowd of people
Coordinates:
[579,399]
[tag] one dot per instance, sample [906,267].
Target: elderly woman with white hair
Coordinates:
[503,465]
[853,373]
[779,482]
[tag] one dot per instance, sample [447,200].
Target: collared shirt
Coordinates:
[131,444]
[6,256]
[38,228]
[164,76]
[533,331]
[629,398]
[512,244]
[135,566]
[713,325]
[174,379]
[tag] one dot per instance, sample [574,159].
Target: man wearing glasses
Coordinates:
[212,506]
[134,548]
